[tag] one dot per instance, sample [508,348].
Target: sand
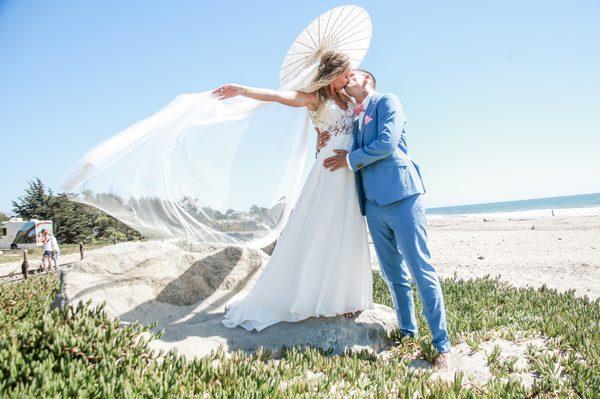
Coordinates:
[475,366]
[562,253]
[12,270]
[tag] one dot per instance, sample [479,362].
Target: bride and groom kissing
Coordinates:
[321,265]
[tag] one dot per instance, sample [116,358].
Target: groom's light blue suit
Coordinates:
[389,190]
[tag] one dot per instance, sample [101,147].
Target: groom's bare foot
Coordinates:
[442,362]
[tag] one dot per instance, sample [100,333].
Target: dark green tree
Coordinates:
[34,204]
[107,228]
[3,217]
[73,222]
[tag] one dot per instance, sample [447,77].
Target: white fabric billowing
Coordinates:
[321,264]
[202,169]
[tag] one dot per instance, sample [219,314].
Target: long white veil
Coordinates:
[204,169]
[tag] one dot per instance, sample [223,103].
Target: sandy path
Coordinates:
[34,263]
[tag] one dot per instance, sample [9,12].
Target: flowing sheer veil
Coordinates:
[203,169]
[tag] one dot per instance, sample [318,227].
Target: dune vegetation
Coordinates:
[81,352]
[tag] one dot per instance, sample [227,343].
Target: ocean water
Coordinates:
[568,202]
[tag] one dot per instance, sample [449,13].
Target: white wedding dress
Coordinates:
[321,264]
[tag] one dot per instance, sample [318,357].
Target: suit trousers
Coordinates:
[399,232]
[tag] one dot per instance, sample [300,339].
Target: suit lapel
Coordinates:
[355,134]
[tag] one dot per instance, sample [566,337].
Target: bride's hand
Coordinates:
[228,91]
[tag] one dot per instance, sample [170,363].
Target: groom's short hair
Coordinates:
[373,81]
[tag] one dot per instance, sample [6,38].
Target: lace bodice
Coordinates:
[333,119]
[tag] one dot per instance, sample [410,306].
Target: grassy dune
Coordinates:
[82,353]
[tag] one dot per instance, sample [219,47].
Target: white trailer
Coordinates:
[20,234]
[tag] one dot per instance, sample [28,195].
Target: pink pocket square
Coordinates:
[367,119]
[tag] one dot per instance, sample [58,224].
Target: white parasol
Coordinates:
[345,29]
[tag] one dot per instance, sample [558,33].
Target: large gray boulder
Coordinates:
[184,287]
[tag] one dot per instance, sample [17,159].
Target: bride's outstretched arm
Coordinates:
[290,98]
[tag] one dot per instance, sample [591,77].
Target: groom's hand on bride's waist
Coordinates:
[338,161]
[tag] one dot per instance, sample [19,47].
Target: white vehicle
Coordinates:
[19,234]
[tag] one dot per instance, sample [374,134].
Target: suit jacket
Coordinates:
[379,157]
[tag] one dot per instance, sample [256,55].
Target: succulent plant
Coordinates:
[81,352]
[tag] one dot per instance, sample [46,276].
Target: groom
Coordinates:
[389,191]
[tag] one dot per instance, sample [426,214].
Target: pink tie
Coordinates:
[359,109]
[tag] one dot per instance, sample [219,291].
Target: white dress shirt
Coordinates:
[54,243]
[360,118]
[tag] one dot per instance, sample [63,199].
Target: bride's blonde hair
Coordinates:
[332,65]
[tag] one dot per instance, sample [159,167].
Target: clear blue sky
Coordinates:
[502,98]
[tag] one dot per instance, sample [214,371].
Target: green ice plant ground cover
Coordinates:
[82,353]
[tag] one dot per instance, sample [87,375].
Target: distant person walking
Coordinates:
[47,256]
[51,250]
[55,250]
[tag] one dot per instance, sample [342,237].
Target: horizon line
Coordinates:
[516,200]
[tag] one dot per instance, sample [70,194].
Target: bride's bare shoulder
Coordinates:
[312,103]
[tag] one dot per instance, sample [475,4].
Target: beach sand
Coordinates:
[562,252]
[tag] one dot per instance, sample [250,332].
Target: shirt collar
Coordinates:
[365,102]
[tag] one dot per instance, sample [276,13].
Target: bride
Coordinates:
[321,264]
